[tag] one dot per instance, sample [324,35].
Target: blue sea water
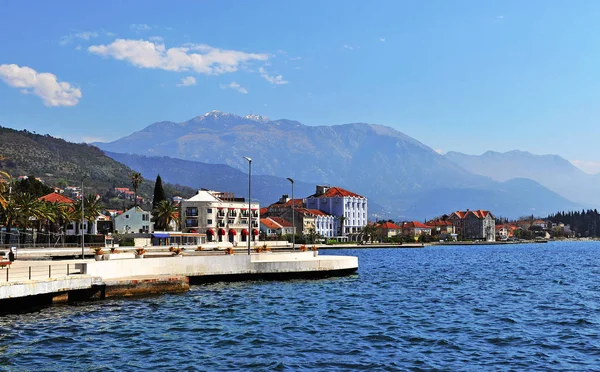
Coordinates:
[517,307]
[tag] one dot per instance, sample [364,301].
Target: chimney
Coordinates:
[321,190]
[284,198]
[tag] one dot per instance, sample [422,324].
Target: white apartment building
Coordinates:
[222,216]
[349,208]
[134,221]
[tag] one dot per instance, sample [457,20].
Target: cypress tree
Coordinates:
[159,192]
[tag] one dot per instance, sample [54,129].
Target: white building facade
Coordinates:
[348,208]
[134,221]
[221,216]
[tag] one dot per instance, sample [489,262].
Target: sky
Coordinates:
[468,76]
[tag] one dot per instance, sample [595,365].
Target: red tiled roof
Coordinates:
[477,213]
[415,224]
[263,210]
[389,225]
[333,192]
[312,212]
[54,197]
[269,223]
[439,223]
[281,221]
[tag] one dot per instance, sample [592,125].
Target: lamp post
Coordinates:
[249,201]
[82,219]
[293,217]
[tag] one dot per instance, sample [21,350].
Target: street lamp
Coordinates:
[249,201]
[82,219]
[293,217]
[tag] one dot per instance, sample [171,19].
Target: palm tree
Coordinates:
[27,207]
[164,213]
[136,180]
[4,179]
[92,209]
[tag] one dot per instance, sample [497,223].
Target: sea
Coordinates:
[525,307]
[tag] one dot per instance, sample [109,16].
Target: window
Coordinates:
[209,222]
[126,216]
[209,210]
[191,211]
[230,220]
[191,222]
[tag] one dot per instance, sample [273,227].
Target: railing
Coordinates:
[8,274]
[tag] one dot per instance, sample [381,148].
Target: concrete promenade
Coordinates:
[48,281]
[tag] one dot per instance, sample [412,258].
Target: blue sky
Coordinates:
[468,76]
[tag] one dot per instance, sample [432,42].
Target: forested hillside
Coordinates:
[60,163]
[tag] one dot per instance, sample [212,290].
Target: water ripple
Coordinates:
[526,307]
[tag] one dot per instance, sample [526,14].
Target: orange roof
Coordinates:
[263,210]
[333,192]
[477,213]
[281,221]
[312,212]
[439,223]
[415,225]
[389,225]
[269,223]
[54,198]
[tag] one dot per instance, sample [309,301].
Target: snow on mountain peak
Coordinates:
[256,117]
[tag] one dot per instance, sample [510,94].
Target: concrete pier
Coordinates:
[42,282]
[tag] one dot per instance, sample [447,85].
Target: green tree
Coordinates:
[165,212]
[136,180]
[92,209]
[159,192]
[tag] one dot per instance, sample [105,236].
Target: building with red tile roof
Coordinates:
[275,227]
[389,229]
[441,227]
[56,198]
[415,228]
[349,208]
[477,225]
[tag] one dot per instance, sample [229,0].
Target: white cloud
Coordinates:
[349,47]
[591,167]
[382,39]
[158,39]
[44,85]
[84,35]
[235,86]
[140,27]
[187,81]
[200,58]
[271,79]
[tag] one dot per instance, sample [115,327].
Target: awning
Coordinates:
[232,232]
[210,232]
[244,209]
[193,231]
[245,232]
[219,208]
[254,209]
[231,209]
[221,231]
[255,232]
[161,235]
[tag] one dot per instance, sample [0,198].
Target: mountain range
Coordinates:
[551,171]
[396,171]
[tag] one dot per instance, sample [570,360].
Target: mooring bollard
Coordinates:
[49,271]
[29,272]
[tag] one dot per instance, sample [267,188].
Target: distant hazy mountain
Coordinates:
[551,171]
[379,162]
[513,198]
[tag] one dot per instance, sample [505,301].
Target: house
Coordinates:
[71,228]
[443,228]
[540,223]
[415,228]
[389,229]
[307,221]
[135,220]
[221,215]
[275,227]
[349,208]
[478,224]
